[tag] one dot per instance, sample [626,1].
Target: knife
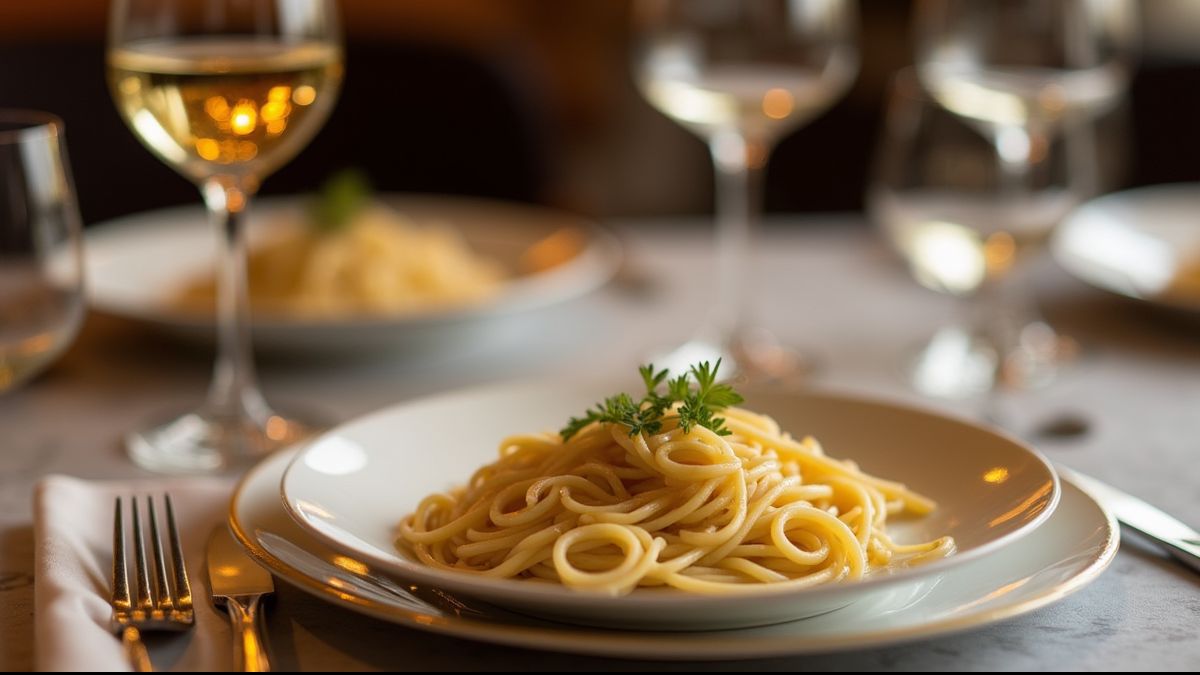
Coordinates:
[239,584]
[1181,541]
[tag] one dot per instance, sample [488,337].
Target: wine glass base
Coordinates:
[203,442]
[958,363]
[755,357]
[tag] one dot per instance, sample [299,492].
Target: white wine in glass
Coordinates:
[741,75]
[225,92]
[239,105]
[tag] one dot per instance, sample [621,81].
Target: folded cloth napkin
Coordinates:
[73,526]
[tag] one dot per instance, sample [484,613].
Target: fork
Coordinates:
[165,609]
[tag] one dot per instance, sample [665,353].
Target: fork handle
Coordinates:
[249,649]
[135,650]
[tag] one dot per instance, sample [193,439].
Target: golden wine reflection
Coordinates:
[246,117]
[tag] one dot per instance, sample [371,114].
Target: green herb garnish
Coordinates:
[342,196]
[698,405]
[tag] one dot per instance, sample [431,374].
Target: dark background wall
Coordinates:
[532,100]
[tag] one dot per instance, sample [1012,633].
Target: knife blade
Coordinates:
[238,584]
[1176,537]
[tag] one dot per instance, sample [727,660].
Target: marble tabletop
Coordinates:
[826,283]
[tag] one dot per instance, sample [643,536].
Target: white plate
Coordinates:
[1067,552]
[351,487]
[135,264]
[1142,243]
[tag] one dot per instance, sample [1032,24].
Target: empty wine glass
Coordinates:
[741,75]
[1022,72]
[41,268]
[224,92]
[939,192]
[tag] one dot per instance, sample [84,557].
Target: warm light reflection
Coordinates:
[208,148]
[999,253]
[995,475]
[244,117]
[553,250]
[350,564]
[777,103]
[1026,507]
[217,108]
[226,571]
[309,508]
[276,428]
[304,95]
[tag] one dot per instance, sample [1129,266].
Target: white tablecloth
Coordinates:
[828,284]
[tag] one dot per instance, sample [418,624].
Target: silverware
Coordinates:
[1178,539]
[165,608]
[239,584]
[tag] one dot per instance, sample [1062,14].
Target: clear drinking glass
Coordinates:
[940,193]
[741,75]
[41,266]
[1022,72]
[224,92]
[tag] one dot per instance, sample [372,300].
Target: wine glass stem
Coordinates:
[739,163]
[234,392]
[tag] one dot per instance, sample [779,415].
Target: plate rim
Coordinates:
[557,594]
[600,258]
[1069,260]
[648,645]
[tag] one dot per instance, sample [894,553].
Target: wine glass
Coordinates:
[1022,72]
[741,75]
[41,268]
[224,92]
[939,192]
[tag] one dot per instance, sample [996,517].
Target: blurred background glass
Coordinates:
[741,76]
[941,195]
[41,288]
[1030,77]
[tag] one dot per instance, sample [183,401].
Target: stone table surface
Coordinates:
[826,283]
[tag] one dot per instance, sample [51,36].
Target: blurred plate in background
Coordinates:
[137,265]
[1142,244]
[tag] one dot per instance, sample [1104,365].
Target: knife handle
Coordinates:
[1186,551]
[249,648]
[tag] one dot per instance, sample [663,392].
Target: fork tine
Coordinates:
[162,590]
[120,585]
[183,590]
[144,601]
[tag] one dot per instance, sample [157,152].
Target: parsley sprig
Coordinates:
[698,405]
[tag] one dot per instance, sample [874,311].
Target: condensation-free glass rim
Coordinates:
[18,125]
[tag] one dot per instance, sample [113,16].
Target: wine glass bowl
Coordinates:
[231,106]
[1031,77]
[939,194]
[41,268]
[1025,64]
[740,75]
[224,92]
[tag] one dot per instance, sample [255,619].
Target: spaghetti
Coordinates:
[742,508]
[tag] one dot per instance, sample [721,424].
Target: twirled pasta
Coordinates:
[697,511]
